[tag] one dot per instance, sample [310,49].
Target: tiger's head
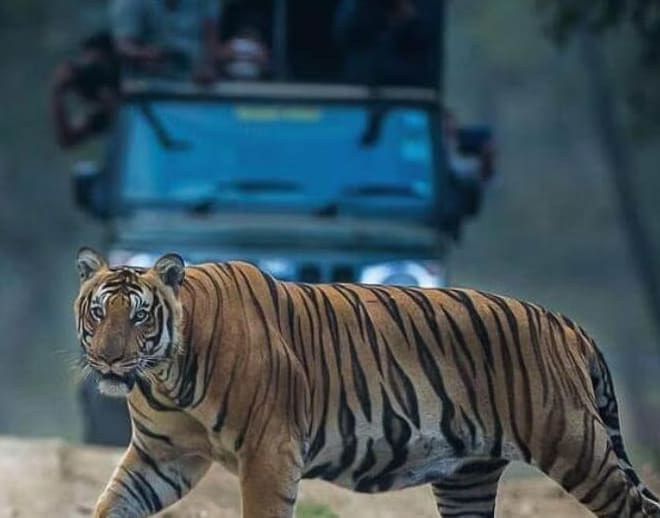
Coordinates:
[127,318]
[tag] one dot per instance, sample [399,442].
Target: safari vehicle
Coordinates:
[284,174]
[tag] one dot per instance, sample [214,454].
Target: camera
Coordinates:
[472,140]
[97,68]
[90,78]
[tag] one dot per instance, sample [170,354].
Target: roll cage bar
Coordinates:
[154,89]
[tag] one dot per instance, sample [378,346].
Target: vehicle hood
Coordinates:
[277,231]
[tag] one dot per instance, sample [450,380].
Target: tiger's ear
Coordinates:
[171,269]
[89,262]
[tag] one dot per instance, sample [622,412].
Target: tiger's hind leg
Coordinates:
[471,491]
[584,462]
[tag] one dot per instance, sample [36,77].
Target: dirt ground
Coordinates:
[52,479]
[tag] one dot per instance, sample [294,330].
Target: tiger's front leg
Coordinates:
[269,481]
[145,482]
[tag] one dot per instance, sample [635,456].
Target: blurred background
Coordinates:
[569,219]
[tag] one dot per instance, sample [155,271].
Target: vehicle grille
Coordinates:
[314,273]
[343,273]
[310,273]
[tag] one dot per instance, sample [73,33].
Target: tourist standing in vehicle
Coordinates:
[93,77]
[167,38]
[244,53]
[389,41]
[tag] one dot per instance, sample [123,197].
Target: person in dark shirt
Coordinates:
[94,79]
[172,38]
[393,42]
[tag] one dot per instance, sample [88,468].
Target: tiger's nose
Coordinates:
[110,357]
[113,351]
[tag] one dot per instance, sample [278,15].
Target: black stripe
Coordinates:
[146,459]
[536,345]
[145,389]
[368,462]
[402,387]
[525,402]
[389,303]
[447,406]
[150,433]
[397,433]
[272,368]
[354,300]
[460,338]
[137,497]
[420,299]
[359,378]
[477,322]
[346,421]
[222,413]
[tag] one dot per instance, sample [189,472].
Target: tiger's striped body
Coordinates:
[372,388]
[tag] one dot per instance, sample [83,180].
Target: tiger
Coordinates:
[373,388]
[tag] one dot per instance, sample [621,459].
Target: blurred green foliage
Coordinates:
[635,29]
[306,510]
[21,12]
[564,17]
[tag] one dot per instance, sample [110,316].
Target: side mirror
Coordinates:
[470,162]
[87,189]
[476,143]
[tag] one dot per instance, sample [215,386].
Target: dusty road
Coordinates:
[52,479]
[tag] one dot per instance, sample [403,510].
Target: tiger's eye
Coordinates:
[140,316]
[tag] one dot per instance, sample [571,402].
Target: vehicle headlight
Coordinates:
[132,258]
[424,274]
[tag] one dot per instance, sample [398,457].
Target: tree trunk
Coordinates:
[617,152]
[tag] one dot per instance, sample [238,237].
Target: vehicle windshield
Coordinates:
[276,157]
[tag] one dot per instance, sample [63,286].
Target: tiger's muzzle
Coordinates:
[116,385]
[114,379]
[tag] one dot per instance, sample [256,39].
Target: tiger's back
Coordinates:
[413,384]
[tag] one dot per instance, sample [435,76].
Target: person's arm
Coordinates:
[211,40]
[211,28]
[205,71]
[211,33]
[70,132]
[67,132]
[357,22]
[126,20]
[415,24]
[130,50]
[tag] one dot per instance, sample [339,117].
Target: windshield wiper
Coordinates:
[162,134]
[246,186]
[258,186]
[371,190]
[377,190]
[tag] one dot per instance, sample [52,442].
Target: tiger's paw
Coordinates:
[651,508]
[109,510]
